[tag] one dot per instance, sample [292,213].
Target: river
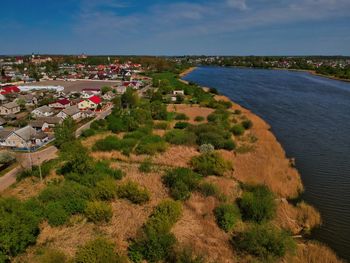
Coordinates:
[310,116]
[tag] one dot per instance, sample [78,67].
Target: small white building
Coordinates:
[71,111]
[43,111]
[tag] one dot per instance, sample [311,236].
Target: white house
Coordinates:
[71,111]
[90,103]
[43,111]
[26,137]
[9,108]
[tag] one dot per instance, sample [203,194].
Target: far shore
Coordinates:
[186,72]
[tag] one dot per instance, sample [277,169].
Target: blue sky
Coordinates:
[220,27]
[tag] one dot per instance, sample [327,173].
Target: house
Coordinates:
[2,121]
[9,90]
[120,89]
[60,104]
[71,111]
[88,92]
[108,95]
[10,108]
[90,103]
[43,111]
[25,138]
[45,123]
[29,99]
[179,92]
[87,114]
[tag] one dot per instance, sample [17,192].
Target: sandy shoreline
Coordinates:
[186,72]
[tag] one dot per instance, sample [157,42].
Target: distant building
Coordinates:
[60,104]
[90,103]
[26,137]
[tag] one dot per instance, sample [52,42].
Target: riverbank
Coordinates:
[186,72]
[268,164]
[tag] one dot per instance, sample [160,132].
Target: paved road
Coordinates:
[26,160]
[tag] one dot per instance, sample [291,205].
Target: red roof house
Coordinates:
[95,99]
[9,89]
[61,104]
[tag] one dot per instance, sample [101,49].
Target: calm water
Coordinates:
[310,116]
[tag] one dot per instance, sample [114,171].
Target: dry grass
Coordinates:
[191,111]
[313,252]
[197,229]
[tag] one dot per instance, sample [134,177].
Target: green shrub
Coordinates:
[247,124]
[181,125]
[208,189]
[210,164]
[161,126]
[180,137]
[98,250]
[237,129]
[151,145]
[105,189]
[264,241]
[182,182]
[133,192]
[199,118]
[103,168]
[206,148]
[185,256]
[19,227]
[258,204]
[88,133]
[156,242]
[99,125]
[215,139]
[237,112]
[220,117]
[227,216]
[45,168]
[56,214]
[181,117]
[146,166]
[51,256]
[98,211]
[111,143]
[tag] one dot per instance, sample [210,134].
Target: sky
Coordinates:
[159,27]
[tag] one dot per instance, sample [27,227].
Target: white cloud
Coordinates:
[238,4]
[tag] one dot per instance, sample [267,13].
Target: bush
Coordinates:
[206,148]
[227,216]
[105,189]
[247,124]
[103,168]
[180,137]
[237,129]
[19,227]
[181,117]
[215,139]
[51,256]
[264,241]
[199,118]
[182,182]
[185,256]
[156,241]
[146,166]
[161,126]
[56,214]
[111,143]
[208,189]
[151,145]
[237,112]
[133,192]
[258,204]
[210,164]
[98,211]
[98,250]
[181,125]
[88,133]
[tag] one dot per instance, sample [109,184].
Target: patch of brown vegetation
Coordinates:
[267,163]
[192,111]
[197,229]
[176,156]
[313,252]
[29,187]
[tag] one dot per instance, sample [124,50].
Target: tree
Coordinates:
[130,98]
[65,132]
[76,157]
[105,89]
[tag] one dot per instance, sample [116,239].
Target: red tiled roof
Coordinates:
[95,99]
[10,89]
[63,101]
